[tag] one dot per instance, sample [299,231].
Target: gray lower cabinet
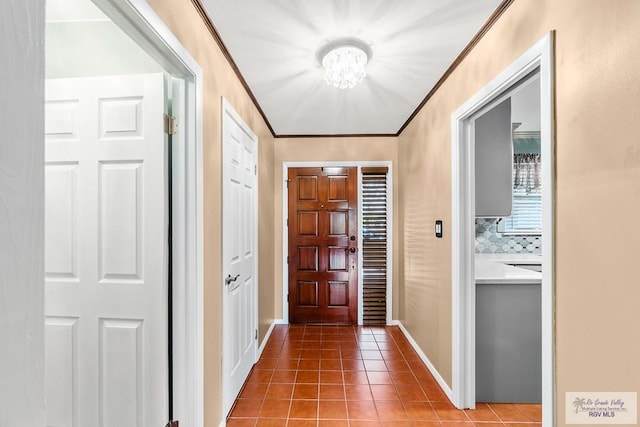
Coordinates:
[508,343]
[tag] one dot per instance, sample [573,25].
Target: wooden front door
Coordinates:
[323,244]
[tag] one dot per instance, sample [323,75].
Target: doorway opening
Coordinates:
[374,276]
[118,337]
[465,206]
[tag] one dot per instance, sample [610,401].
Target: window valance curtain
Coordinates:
[527,173]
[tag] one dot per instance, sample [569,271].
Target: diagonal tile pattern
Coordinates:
[354,376]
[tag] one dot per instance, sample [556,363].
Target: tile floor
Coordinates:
[353,376]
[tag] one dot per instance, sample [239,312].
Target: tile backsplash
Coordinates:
[490,240]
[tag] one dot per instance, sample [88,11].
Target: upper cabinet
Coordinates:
[493,162]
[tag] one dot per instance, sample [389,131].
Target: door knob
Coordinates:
[230,279]
[353,250]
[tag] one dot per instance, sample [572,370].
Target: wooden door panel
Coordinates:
[307,293]
[307,188]
[308,258]
[338,223]
[338,294]
[307,223]
[323,245]
[338,259]
[338,189]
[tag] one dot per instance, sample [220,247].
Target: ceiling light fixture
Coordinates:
[343,61]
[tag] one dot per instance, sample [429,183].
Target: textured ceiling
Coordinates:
[274,45]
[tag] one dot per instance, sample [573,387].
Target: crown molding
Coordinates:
[216,36]
[468,48]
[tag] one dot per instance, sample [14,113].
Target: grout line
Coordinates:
[494,412]
[396,344]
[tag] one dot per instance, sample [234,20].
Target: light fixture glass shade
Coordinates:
[344,66]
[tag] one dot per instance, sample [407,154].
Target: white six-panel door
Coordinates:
[239,257]
[105,252]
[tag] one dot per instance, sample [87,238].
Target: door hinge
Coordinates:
[287,260]
[287,181]
[287,297]
[173,424]
[170,127]
[255,169]
[256,335]
[287,222]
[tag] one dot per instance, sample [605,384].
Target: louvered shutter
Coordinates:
[374,245]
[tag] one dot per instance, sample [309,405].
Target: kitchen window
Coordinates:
[526,217]
[527,213]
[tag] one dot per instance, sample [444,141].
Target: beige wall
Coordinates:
[597,190]
[220,81]
[351,149]
[598,183]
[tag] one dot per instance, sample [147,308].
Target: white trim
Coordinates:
[285,234]
[463,234]
[138,19]
[389,300]
[441,382]
[547,88]
[22,215]
[140,22]
[229,113]
[359,254]
[390,236]
[285,242]
[263,344]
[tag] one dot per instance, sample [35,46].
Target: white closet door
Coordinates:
[239,239]
[106,252]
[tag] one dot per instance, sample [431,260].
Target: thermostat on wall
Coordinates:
[439,228]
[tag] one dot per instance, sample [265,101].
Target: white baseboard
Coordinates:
[445,387]
[263,344]
[268,334]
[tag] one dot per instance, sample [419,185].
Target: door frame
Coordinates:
[541,55]
[229,113]
[285,231]
[143,25]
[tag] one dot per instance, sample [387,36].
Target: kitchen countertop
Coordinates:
[490,272]
[511,258]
